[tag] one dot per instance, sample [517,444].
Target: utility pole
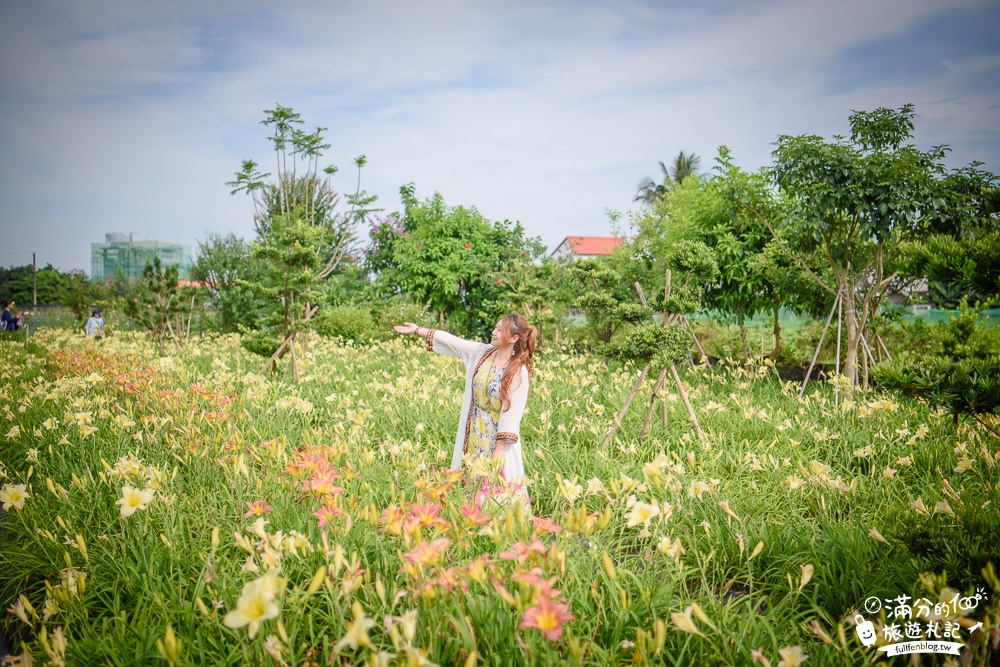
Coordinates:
[34,281]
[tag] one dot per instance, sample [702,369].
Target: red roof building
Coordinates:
[580,247]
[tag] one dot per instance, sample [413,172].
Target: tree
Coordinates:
[684,165]
[962,376]
[451,259]
[156,303]
[301,238]
[80,295]
[226,269]
[605,297]
[658,345]
[961,259]
[858,199]
[16,284]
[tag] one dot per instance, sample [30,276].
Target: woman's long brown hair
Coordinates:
[524,350]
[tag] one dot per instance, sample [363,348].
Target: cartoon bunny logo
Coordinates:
[865,629]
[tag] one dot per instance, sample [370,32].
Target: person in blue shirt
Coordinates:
[7,320]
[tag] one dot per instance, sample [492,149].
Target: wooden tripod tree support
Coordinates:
[642,376]
[812,364]
[868,356]
[289,342]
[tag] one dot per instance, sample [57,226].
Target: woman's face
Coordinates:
[498,339]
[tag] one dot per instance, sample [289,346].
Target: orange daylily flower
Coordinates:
[548,616]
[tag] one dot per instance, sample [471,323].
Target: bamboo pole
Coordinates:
[647,422]
[274,356]
[628,401]
[687,404]
[840,320]
[663,412]
[878,339]
[287,341]
[657,388]
[697,343]
[819,345]
[190,314]
[295,368]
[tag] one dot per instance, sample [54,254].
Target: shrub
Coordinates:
[349,322]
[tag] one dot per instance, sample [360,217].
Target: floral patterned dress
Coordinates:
[485,410]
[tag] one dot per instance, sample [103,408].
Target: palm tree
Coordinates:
[649,191]
[684,165]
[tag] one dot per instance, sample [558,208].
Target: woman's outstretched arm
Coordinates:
[442,341]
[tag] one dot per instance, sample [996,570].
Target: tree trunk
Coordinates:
[744,340]
[776,350]
[853,339]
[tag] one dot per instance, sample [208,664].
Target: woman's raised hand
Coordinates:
[406,328]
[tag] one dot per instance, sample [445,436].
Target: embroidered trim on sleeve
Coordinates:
[430,339]
[507,436]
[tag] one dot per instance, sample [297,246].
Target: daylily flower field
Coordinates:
[188,510]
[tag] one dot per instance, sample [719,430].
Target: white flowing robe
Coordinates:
[509,424]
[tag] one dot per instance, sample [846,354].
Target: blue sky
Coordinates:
[131,116]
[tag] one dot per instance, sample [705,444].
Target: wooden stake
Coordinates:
[628,402]
[288,340]
[687,403]
[657,388]
[878,339]
[840,319]
[274,356]
[295,368]
[686,323]
[673,369]
[819,345]
[663,412]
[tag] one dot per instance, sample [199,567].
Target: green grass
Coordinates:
[211,436]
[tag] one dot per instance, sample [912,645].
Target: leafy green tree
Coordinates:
[290,255]
[536,287]
[16,284]
[606,298]
[155,302]
[451,259]
[961,259]
[227,272]
[80,295]
[302,187]
[858,199]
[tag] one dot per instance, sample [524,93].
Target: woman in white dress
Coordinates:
[496,393]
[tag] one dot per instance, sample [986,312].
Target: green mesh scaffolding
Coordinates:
[120,251]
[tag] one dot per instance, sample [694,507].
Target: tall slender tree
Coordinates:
[302,239]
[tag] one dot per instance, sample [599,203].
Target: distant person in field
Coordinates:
[95,324]
[496,393]
[7,320]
